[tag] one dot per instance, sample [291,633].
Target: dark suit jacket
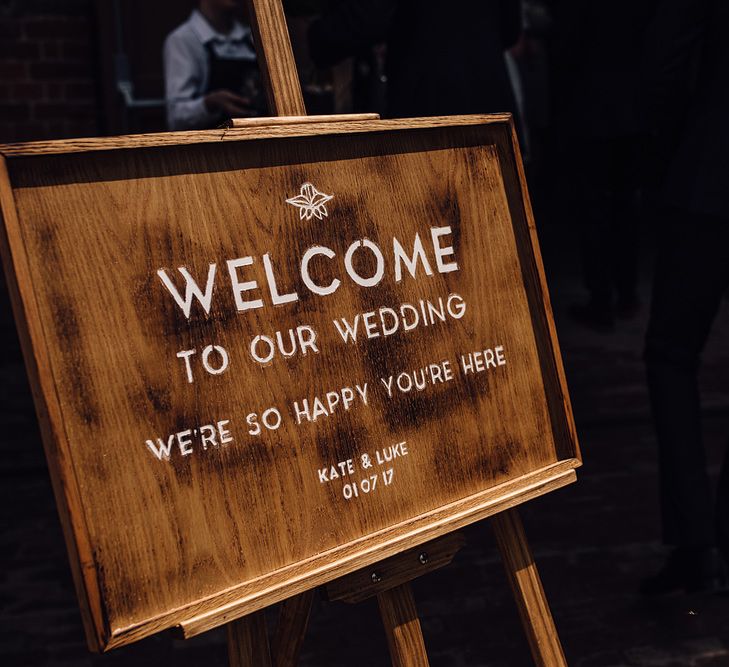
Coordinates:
[686,86]
[595,51]
[442,58]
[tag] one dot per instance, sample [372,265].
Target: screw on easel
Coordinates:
[423,557]
[376,578]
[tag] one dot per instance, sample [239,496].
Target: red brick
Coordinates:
[11,29]
[63,111]
[16,50]
[88,129]
[12,71]
[28,91]
[56,129]
[29,131]
[77,50]
[54,90]
[7,133]
[50,111]
[60,70]
[56,28]
[80,91]
[14,111]
[51,49]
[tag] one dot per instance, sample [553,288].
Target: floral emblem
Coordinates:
[310,202]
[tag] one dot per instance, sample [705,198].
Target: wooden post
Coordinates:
[521,571]
[248,642]
[276,59]
[402,627]
[389,581]
[289,636]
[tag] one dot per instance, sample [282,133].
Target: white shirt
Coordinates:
[186,68]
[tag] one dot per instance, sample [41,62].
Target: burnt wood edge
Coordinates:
[270,131]
[48,409]
[535,282]
[322,568]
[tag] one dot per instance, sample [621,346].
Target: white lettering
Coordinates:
[440,253]
[191,289]
[317,289]
[379,271]
[240,287]
[411,263]
[277,298]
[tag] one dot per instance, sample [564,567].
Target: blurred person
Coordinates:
[595,54]
[530,60]
[210,68]
[687,106]
[441,59]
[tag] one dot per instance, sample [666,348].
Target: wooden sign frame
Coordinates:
[244,599]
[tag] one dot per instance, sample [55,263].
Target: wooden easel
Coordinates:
[389,580]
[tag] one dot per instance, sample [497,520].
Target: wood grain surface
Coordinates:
[300,120]
[224,527]
[288,638]
[268,130]
[276,58]
[526,585]
[402,627]
[248,644]
[324,567]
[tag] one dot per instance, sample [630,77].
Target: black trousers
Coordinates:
[606,185]
[692,275]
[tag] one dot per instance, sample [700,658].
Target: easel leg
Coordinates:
[248,642]
[402,627]
[528,592]
[291,628]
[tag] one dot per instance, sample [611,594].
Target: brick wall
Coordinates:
[48,70]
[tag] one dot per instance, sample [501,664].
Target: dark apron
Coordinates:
[238,75]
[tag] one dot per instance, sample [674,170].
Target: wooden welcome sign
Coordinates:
[266,357]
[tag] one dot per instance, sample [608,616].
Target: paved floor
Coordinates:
[593,541]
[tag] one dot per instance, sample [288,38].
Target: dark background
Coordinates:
[61,62]
[593,541]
